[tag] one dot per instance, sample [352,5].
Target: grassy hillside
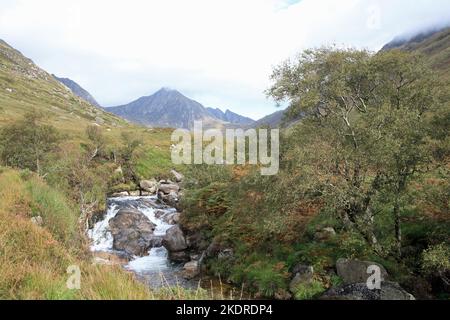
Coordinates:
[24,87]
[35,259]
[71,188]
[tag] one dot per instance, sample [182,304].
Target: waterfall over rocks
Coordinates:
[133,224]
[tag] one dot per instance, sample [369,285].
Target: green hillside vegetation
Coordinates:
[35,259]
[26,88]
[369,159]
[59,157]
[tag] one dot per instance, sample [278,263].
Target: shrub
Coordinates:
[436,259]
[204,206]
[307,291]
[353,245]
[267,277]
[27,142]
[26,174]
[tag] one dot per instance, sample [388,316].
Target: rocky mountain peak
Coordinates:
[170,108]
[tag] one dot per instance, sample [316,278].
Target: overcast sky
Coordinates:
[218,52]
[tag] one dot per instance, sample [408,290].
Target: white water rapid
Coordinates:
[155,268]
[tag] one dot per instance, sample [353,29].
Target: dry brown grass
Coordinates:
[34,262]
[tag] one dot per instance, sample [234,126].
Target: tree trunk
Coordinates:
[369,232]
[38,166]
[348,224]
[397,219]
[398,230]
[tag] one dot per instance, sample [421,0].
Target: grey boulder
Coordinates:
[356,271]
[191,270]
[132,232]
[325,234]
[169,188]
[303,274]
[174,240]
[150,186]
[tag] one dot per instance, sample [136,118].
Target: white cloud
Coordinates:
[219,52]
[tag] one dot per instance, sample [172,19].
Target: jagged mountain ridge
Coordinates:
[230,116]
[170,108]
[435,45]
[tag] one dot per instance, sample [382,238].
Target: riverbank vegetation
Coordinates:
[59,158]
[368,163]
[35,254]
[52,184]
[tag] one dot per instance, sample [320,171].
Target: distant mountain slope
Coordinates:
[168,108]
[409,41]
[78,90]
[25,86]
[230,116]
[435,45]
[273,120]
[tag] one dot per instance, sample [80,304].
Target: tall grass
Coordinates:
[34,259]
[59,215]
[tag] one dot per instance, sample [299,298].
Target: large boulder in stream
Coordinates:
[132,232]
[168,188]
[172,218]
[174,240]
[150,186]
[179,256]
[172,199]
